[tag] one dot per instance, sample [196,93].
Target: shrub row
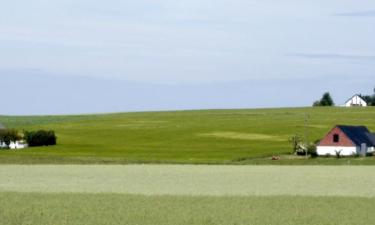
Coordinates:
[40,138]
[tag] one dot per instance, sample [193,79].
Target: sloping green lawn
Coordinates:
[207,136]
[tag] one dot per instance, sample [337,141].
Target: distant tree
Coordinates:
[40,138]
[316,103]
[326,100]
[369,99]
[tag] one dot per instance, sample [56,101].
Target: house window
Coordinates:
[336,138]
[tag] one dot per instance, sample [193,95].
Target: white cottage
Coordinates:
[356,101]
[13,145]
[347,140]
[18,145]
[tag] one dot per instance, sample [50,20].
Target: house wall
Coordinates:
[356,101]
[345,145]
[344,151]
[331,150]
[17,145]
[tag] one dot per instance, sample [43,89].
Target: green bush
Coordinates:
[338,154]
[300,148]
[311,150]
[40,138]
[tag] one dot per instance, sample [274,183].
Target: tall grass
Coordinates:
[191,180]
[115,209]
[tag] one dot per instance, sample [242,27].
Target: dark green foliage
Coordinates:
[370,99]
[311,150]
[326,100]
[338,154]
[40,138]
[316,103]
[9,135]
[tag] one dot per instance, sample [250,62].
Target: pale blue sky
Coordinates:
[228,51]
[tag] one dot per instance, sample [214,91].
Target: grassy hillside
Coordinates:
[207,136]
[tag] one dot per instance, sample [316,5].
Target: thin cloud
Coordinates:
[334,56]
[370,13]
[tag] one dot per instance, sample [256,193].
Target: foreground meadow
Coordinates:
[190,137]
[122,209]
[186,194]
[191,180]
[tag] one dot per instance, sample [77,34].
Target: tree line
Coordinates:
[327,100]
[32,138]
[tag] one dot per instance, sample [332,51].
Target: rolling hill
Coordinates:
[203,136]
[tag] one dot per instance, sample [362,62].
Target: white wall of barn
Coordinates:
[14,145]
[357,101]
[345,151]
[17,145]
[331,150]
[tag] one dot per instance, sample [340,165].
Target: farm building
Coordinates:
[18,145]
[356,101]
[13,145]
[347,140]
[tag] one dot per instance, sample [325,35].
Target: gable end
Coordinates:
[337,137]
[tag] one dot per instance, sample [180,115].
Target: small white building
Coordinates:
[356,101]
[18,145]
[13,145]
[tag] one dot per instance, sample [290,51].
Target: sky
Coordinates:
[90,56]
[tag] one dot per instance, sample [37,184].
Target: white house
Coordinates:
[18,145]
[13,145]
[347,140]
[356,100]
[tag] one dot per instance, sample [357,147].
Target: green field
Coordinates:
[207,136]
[36,189]
[186,194]
[191,180]
[115,209]
[211,136]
